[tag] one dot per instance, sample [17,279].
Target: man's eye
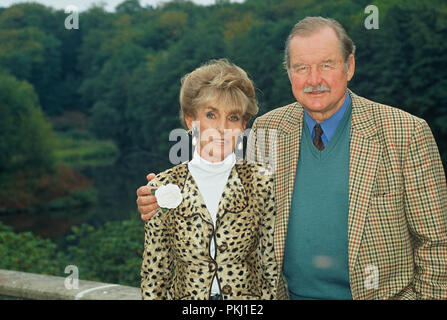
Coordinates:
[302,69]
[327,66]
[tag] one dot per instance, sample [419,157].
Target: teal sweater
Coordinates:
[316,252]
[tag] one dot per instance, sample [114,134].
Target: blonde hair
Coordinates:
[221,80]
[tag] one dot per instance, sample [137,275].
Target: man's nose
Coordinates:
[314,77]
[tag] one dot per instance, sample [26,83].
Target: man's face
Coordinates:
[317,73]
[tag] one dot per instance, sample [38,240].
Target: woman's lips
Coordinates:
[221,141]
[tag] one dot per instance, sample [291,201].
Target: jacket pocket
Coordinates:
[250,296]
[171,296]
[386,206]
[387,232]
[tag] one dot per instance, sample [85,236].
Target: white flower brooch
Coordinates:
[168,196]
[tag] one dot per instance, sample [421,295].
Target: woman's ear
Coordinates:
[188,121]
[244,125]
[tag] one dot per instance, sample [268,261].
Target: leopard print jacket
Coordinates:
[176,261]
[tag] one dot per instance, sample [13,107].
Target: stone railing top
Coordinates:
[45,287]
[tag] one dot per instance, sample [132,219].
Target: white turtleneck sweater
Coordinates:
[211,178]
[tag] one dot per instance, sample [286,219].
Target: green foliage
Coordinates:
[36,47]
[27,138]
[79,149]
[78,198]
[111,253]
[128,6]
[29,253]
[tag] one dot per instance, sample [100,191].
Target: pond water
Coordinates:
[116,195]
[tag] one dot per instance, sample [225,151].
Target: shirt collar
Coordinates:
[212,167]
[329,125]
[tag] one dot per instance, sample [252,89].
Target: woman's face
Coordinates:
[219,130]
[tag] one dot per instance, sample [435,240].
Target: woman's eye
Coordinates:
[210,115]
[234,118]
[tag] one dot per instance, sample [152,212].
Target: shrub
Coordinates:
[110,253]
[29,253]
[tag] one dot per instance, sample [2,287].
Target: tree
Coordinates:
[32,49]
[27,138]
[128,6]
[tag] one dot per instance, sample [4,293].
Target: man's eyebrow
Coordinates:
[298,64]
[303,64]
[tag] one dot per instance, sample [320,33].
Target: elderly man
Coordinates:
[360,188]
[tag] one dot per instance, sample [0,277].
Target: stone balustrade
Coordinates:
[24,285]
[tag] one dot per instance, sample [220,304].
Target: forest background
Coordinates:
[86,113]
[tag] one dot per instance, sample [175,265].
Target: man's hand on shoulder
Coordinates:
[146,201]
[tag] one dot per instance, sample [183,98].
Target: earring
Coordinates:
[194,136]
[240,144]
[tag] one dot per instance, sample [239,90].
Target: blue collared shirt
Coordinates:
[330,125]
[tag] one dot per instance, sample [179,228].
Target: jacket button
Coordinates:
[226,289]
[223,246]
[211,267]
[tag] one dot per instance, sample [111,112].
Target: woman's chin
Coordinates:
[217,151]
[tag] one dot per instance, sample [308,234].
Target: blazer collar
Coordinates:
[361,121]
[233,199]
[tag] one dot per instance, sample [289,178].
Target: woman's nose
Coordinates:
[222,125]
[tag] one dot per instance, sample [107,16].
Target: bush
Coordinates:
[29,253]
[111,253]
[26,192]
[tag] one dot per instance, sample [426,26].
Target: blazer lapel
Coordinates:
[234,197]
[193,202]
[286,159]
[365,153]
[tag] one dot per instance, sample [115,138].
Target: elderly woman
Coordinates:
[216,242]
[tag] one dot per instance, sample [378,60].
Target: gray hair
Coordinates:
[311,25]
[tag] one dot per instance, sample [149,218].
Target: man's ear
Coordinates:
[351,67]
[288,74]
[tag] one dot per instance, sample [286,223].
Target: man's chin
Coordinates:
[315,106]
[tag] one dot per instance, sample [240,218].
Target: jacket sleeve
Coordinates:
[250,153]
[426,212]
[269,265]
[156,269]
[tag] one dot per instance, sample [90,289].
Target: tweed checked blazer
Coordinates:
[397,219]
[177,262]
